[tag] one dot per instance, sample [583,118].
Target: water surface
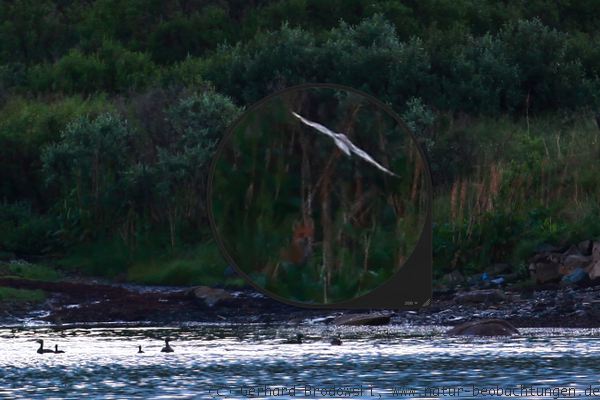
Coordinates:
[373,362]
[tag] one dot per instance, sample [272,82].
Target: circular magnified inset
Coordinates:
[318,194]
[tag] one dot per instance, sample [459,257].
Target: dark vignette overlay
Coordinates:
[320,196]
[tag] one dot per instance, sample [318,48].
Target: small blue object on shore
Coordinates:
[498,281]
[577,277]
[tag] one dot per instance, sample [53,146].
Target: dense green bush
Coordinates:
[110,69]
[476,58]
[548,80]
[86,166]
[184,36]
[113,181]
[24,232]
[12,74]
[188,73]
[34,31]
[270,62]
[480,82]
[362,56]
[125,70]
[26,126]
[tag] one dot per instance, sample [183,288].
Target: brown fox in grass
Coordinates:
[300,248]
[298,252]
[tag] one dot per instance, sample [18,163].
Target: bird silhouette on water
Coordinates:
[140,349]
[336,341]
[56,350]
[167,348]
[42,350]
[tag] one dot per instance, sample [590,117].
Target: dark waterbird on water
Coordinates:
[56,350]
[140,349]
[167,348]
[42,350]
[336,341]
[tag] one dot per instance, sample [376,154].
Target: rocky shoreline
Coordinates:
[562,290]
[72,303]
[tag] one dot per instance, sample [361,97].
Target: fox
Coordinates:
[299,250]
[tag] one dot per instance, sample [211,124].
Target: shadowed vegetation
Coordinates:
[110,112]
[10,295]
[307,221]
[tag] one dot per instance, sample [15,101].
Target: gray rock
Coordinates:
[594,271]
[574,261]
[211,296]
[571,251]
[322,320]
[486,327]
[596,251]
[454,277]
[480,296]
[363,319]
[547,258]
[545,272]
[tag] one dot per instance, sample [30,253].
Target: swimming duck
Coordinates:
[140,349]
[42,350]
[56,350]
[167,348]
[336,341]
[295,340]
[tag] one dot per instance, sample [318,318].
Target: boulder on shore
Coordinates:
[363,319]
[454,277]
[574,261]
[596,251]
[211,296]
[594,271]
[545,272]
[572,250]
[480,296]
[486,327]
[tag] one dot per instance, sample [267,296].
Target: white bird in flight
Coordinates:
[343,143]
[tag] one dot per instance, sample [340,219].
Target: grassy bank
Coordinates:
[10,296]
[512,186]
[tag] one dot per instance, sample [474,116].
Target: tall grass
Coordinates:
[524,185]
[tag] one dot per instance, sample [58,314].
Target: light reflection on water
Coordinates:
[104,362]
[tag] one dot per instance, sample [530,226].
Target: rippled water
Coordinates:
[104,362]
